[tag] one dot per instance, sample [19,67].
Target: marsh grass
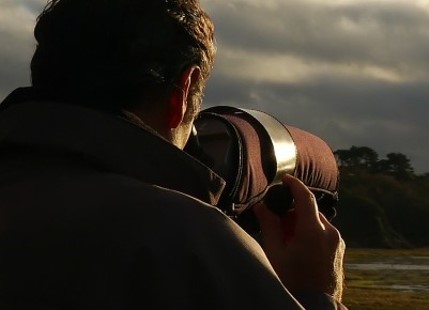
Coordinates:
[387,288]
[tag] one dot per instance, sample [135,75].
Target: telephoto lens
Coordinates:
[251,150]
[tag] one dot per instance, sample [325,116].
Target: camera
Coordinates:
[251,150]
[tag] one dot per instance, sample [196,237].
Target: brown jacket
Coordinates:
[97,212]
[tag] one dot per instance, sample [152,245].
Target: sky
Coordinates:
[353,72]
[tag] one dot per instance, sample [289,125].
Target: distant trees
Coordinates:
[363,158]
[357,157]
[398,165]
[382,202]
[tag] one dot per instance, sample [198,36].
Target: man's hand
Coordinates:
[304,249]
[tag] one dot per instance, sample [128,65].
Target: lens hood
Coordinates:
[252,150]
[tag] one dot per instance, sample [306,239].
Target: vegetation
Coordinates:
[386,288]
[383,203]
[363,158]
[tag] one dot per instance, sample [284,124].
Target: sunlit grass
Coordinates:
[387,288]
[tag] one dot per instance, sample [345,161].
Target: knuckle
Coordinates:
[310,198]
[334,237]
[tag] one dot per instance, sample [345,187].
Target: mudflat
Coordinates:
[379,279]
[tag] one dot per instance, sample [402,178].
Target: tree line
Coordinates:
[382,202]
[359,158]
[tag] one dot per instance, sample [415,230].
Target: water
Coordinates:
[396,265]
[387,266]
[410,288]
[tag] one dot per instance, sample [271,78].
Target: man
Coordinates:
[99,206]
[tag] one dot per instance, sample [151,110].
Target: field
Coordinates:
[387,279]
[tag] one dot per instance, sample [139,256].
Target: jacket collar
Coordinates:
[115,143]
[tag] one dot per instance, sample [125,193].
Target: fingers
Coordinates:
[305,205]
[304,248]
[304,221]
[327,225]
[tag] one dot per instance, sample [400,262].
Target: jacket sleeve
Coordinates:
[318,301]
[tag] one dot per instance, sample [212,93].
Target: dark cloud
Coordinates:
[363,32]
[17,18]
[14,62]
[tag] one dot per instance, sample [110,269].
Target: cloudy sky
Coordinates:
[353,72]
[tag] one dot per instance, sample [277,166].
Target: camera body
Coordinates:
[251,150]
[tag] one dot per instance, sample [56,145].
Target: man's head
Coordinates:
[124,54]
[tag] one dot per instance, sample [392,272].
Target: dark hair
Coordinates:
[113,54]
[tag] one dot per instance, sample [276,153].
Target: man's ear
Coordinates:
[179,95]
